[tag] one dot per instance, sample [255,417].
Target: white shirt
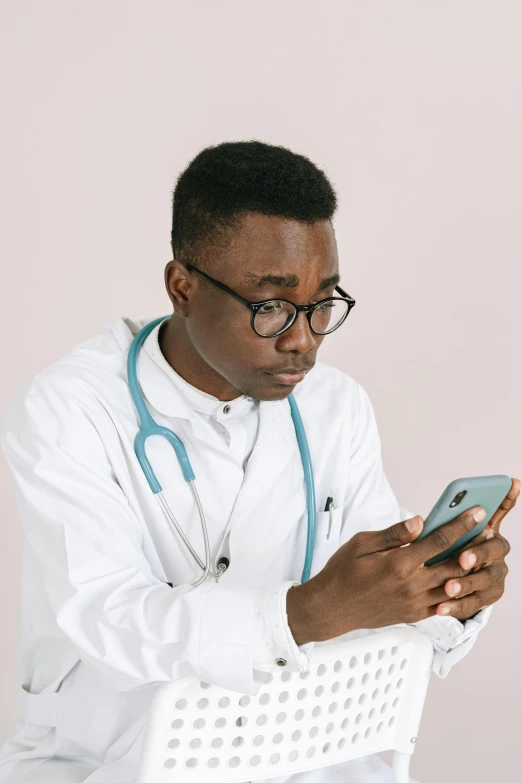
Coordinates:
[100,627]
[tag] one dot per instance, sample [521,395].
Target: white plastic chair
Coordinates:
[359,697]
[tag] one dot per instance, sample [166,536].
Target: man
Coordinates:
[110,604]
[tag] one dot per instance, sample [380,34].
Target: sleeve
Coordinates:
[86,541]
[273,640]
[370,504]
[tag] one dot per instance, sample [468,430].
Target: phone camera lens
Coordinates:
[458,497]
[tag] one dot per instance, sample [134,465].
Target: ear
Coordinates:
[180,285]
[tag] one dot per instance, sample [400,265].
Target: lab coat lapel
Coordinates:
[273,449]
[255,530]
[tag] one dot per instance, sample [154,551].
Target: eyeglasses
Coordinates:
[272,317]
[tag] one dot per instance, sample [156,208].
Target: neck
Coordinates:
[177,348]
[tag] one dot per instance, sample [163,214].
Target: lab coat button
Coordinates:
[226,409]
[280,661]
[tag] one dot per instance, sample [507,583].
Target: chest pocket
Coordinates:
[327,538]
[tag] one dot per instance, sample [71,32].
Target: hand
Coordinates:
[374,580]
[486,558]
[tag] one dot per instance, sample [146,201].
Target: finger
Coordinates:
[486,535]
[476,555]
[452,567]
[466,607]
[437,575]
[392,537]
[442,538]
[490,575]
[457,567]
[506,505]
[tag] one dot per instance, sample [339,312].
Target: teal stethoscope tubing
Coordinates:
[149,427]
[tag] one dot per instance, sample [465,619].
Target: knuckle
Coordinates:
[401,569]
[440,539]
[474,602]
[408,591]
[456,570]
[506,546]
[391,536]
[494,575]
[500,573]
[359,542]
[494,594]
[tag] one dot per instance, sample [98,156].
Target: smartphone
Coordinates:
[459,496]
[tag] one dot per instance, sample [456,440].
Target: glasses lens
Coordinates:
[329,315]
[272,317]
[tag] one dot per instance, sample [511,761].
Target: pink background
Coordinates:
[413,109]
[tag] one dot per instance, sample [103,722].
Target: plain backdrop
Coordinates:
[413,109]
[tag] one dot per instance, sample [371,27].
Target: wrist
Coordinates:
[303,612]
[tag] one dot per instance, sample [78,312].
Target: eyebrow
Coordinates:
[288,281]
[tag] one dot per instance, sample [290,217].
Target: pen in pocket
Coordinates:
[329,507]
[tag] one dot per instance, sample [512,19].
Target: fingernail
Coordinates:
[413,524]
[489,534]
[445,610]
[469,560]
[479,515]
[455,588]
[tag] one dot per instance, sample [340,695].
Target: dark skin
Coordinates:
[209,342]
[481,570]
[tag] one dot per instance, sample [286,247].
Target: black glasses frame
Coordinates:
[308,309]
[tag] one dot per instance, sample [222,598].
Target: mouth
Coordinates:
[289,376]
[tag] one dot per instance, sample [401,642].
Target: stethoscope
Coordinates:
[149,427]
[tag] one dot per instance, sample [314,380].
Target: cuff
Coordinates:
[224,648]
[451,638]
[273,645]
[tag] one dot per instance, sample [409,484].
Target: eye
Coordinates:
[325,306]
[269,308]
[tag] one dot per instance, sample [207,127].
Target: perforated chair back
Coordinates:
[358,697]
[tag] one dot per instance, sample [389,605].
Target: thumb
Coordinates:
[395,536]
[506,505]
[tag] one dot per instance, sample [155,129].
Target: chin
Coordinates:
[270,393]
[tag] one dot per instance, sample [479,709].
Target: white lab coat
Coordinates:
[101,629]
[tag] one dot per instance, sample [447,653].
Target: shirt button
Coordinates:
[226,409]
[280,661]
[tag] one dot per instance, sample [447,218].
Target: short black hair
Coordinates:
[235,177]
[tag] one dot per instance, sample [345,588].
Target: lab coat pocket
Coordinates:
[327,538]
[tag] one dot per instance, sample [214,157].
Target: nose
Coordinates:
[299,337]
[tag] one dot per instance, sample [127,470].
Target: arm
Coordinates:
[120,618]
[371,505]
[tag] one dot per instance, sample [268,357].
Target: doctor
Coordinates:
[110,604]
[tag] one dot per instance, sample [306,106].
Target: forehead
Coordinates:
[266,245]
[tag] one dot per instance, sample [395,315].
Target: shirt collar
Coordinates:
[195,398]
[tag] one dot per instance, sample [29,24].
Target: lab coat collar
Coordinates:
[156,385]
[162,394]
